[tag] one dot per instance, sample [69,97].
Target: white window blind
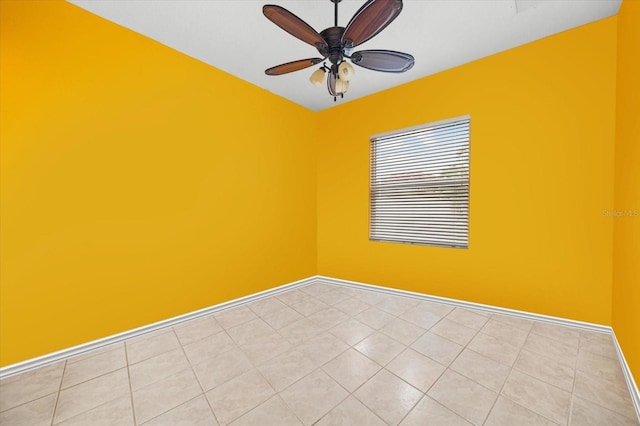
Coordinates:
[419,189]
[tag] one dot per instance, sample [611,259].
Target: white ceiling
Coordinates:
[234,36]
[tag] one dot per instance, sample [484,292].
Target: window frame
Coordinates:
[451,224]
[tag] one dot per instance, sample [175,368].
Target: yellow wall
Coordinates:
[626,250]
[137,183]
[542,158]
[131,175]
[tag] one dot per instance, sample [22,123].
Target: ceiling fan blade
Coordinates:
[294,25]
[369,20]
[292,66]
[383,60]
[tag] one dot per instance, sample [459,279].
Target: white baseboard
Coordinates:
[471,305]
[30,364]
[631,383]
[96,344]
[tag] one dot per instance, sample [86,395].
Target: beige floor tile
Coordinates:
[150,345]
[374,318]
[352,306]
[197,329]
[313,396]
[300,331]
[598,343]
[468,318]
[282,317]
[331,297]
[599,366]
[371,297]
[348,291]
[388,396]
[551,348]
[463,396]
[566,335]
[328,317]
[95,352]
[272,412]
[323,348]
[494,348]
[428,412]
[440,309]
[546,369]
[249,331]
[265,348]
[403,331]
[224,367]
[351,369]
[396,305]
[164,395]
[31,385]
[351,412]
[157,368]
[35,413]
[91,394]
[480,369]
[309,306]
[517,322]
[195,412]
[538,396]
[586,413]
[607,393]
[208,348]
[453,331]
[286,369]
[416,369]
[266,306]
[316,289]
[380,348]
[505,332]
[238,396]
[426,314]
[234,316]
[292,297]
[507,413]
[351,331]
[437,348]
[114,413]
[93,367]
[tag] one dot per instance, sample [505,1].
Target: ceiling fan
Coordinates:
[336,44]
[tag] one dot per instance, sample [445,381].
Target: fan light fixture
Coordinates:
[335,44]
[317,77]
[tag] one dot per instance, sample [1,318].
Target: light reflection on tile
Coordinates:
[388,396]
[463,396]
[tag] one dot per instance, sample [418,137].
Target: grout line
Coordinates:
[575,375]
[55,407]
[133,407]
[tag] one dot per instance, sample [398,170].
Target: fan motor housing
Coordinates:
[333,37]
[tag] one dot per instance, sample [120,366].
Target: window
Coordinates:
[419,190]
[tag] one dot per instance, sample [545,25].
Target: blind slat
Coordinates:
[419,188]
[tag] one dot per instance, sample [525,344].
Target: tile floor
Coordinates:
[333,355]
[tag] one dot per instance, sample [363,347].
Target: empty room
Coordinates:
[331,212]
